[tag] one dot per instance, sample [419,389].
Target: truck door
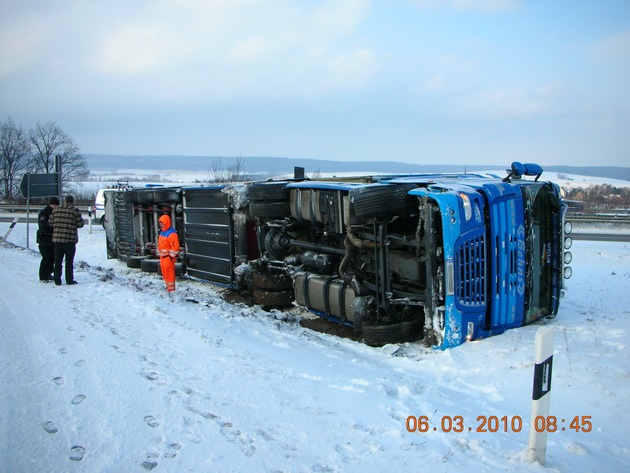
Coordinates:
[209,234]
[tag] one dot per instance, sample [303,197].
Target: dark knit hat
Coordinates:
[53,201]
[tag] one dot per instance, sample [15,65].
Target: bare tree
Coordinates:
[49,140]
[14,155]
[233,173]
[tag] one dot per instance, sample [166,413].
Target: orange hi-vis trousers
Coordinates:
[167,265]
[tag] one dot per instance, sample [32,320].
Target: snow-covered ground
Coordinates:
[112,375]
[140,178]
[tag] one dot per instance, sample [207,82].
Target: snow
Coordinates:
[113,375]
[142,177]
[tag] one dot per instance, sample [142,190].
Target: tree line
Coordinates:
[34,151]
[601,197]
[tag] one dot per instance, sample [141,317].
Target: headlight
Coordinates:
[568,272]
[568,257]
[568,227]
[568,242]
[467,206]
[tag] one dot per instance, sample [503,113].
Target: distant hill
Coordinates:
[268,165]
[610,172]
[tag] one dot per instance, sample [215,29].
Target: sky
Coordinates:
[422,81]
[114,376]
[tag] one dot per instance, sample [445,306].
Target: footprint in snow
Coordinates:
[59,380]
[63,351]
[78,399]
[76,453]
[149,464]
[50,427]
[80,363]
[151,421]
[153,376]
[173,448]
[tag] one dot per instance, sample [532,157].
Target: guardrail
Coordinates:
[617,219]
[614,219]
[13,208]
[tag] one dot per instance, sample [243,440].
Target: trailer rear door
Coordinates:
[209,234]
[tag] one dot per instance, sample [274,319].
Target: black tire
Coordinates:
[130,197]
[167,195]
[135,261]
[272,299]
[150,265]
[274,190]
[379,335]
[383,201]
[272,280]
[146,197]
[270,209]
[180,269]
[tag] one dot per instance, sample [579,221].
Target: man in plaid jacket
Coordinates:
[65,220]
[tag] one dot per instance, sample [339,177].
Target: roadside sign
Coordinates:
[39,185]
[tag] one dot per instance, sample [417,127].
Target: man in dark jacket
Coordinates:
[44,240]
[65,221]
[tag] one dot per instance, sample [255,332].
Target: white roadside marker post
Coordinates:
[541,395]
[6,235]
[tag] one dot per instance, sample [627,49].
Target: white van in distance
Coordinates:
[99,201]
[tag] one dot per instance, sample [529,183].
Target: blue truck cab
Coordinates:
[502,252]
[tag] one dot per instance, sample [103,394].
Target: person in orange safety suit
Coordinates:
[168,249]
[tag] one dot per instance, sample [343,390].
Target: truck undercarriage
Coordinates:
[441,258]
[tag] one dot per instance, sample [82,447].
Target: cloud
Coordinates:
[452,74]
[133,49]
[18,48]
[486,6]
[251,50]
[187,51]
[240,48]
[614,50]
[23,38]
[341,16]
[516,103]
[353,69]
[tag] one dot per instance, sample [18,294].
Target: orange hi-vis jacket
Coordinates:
[168,249]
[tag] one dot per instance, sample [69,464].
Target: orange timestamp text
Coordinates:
[492,424]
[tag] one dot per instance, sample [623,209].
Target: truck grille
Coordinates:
[470,272]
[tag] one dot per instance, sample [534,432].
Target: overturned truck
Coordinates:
[442,258]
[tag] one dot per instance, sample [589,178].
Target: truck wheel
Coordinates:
[270,209]
[150,265]
[379,335]
[268,191]
[131,197]
[383,201]
[135,261]
[145,197]
[167,195]
[179,269]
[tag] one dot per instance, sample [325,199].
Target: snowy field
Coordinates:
[110,375]
[140,178]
